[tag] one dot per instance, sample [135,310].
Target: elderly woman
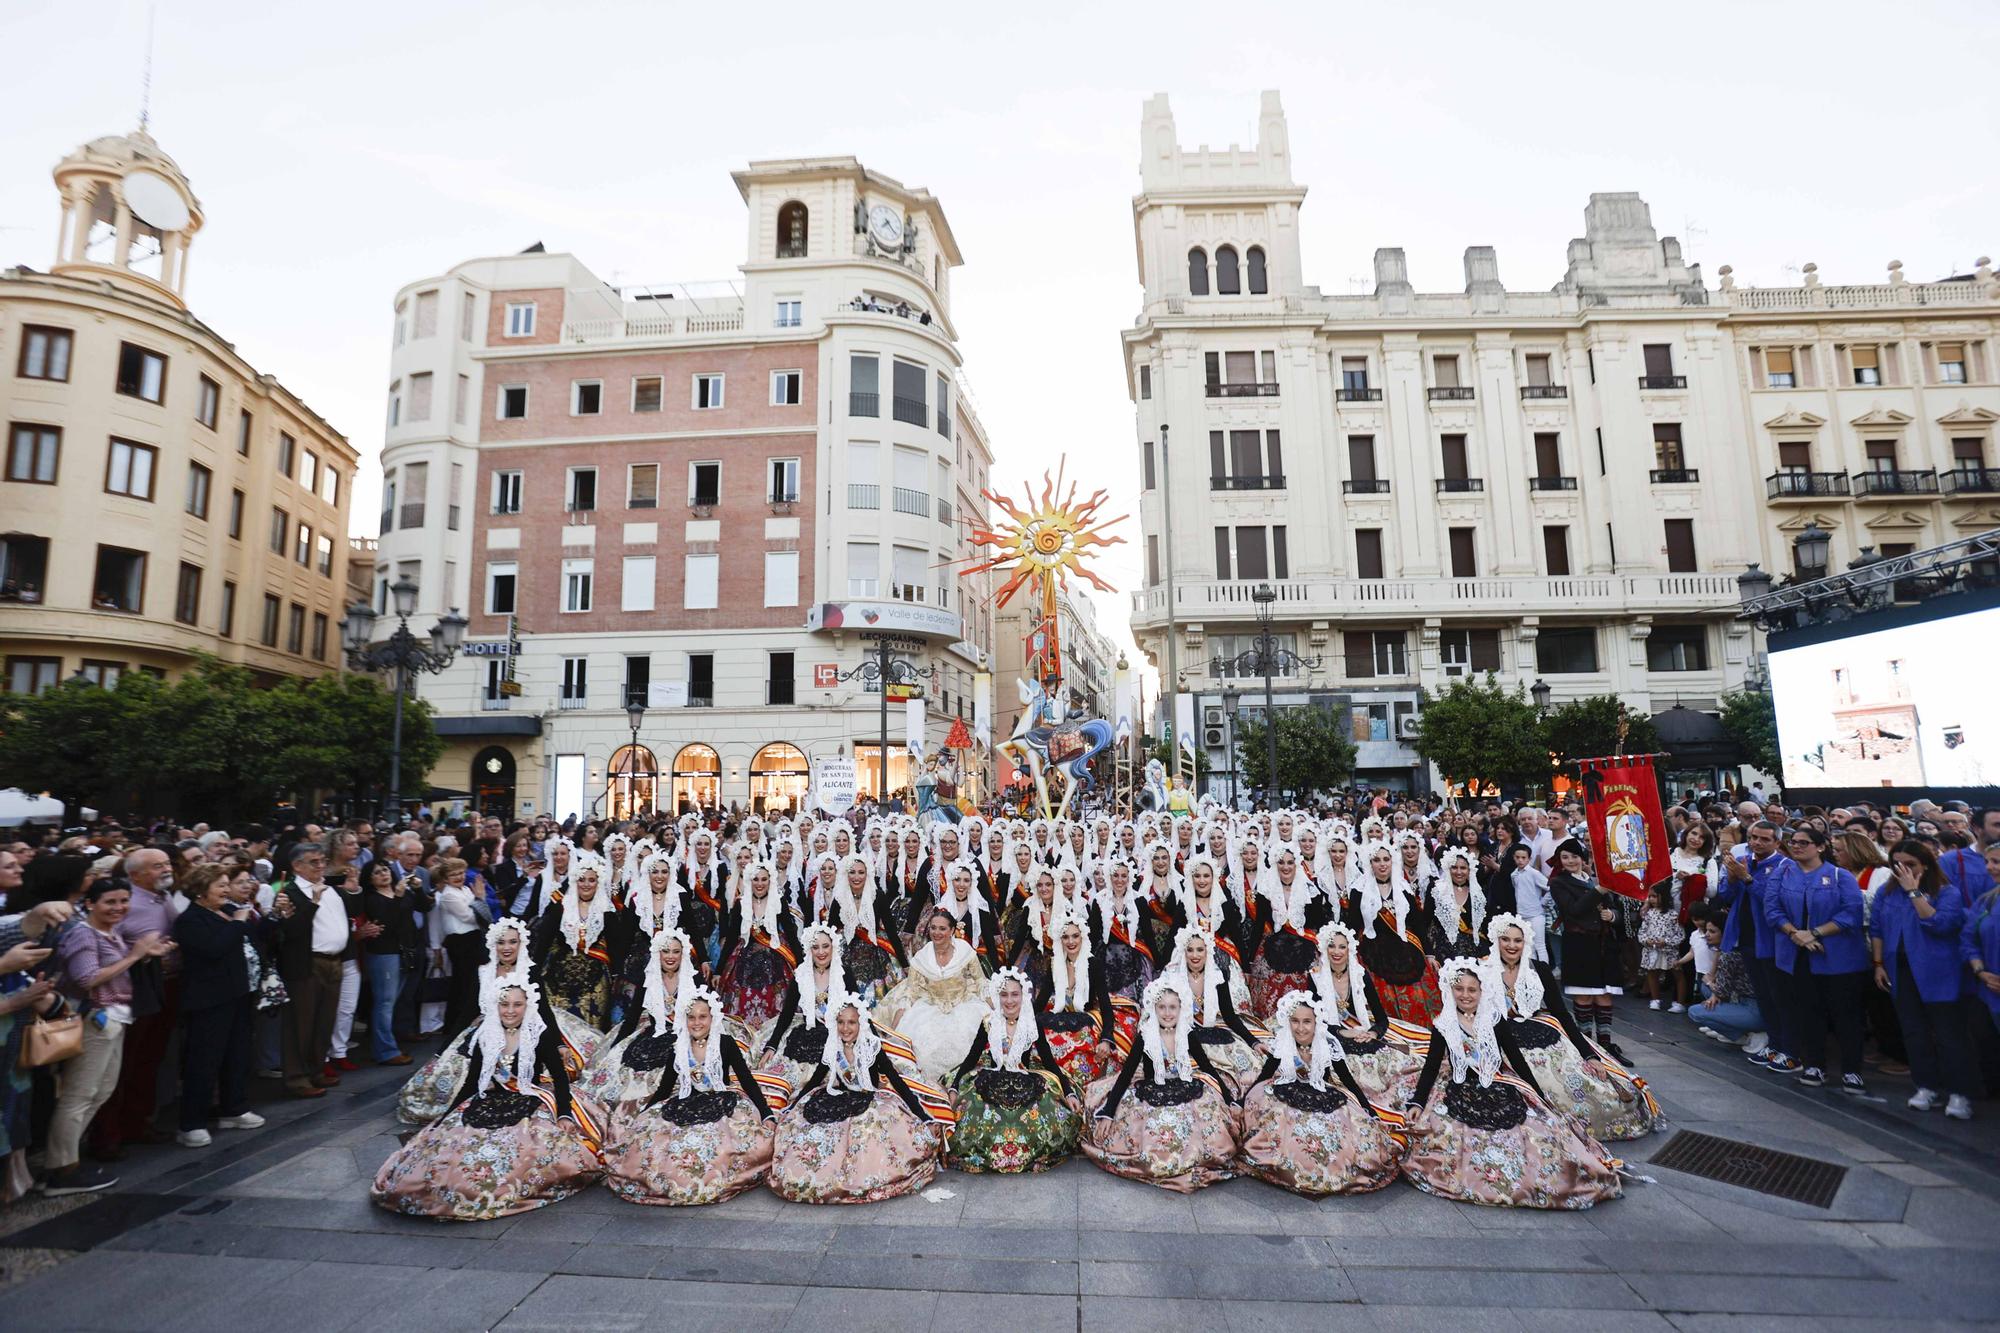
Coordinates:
[1308,1124]
[1176,1129]
[218,960]
[1016,1111]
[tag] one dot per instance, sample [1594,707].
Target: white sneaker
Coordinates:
[1959,1107]
[1756,1042]
[192,1138]
[248,1120]
[1925,1100]
[1711,1032]
[1652,1004]
[1677,1008]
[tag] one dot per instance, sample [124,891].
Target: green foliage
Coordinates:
[1475,731]
[1315,752]
[1588,729]
[1164,752]
[1750,717]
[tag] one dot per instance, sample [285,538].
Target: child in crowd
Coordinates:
[1660,940]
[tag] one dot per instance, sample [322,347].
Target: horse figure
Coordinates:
[1042,740]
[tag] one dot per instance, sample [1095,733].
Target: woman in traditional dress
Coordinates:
[1176,1128]
[1074,1013]
[1381,1062]
[706,1135]
[1308,1124]
[1016,1110]
[941,1004]
[1159,889]
[1282,935]
[630,1065]
[1482,1132]
[573,946]
[1116,923]
[1203,902]
[1572,1073]
[1592,969]
[1390,927]
[652,903]
[817,898]
[1031,934]
[1457,925]
[856,1133]
[508,1144]
[1228,1042]
[791,1046]
[760,947]
[871,946]
[972,918]
[704,885]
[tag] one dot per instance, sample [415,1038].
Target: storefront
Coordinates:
[779,777]
[632,783]
[697,778]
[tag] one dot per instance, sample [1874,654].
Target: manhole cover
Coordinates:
[1782,1175]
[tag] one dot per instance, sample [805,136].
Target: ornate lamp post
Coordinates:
[1540,693]
[635,713]
[882,671]
[1266,659]
[404,654]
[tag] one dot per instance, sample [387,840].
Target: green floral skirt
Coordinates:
[1011,1121]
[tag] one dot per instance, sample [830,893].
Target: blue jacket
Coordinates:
[1966,869]
[1747,900]
[1981,939]
[1807,898]
[1932,946]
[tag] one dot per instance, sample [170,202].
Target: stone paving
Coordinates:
[273,1228]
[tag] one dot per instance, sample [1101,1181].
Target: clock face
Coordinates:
[885,225]
[493,765]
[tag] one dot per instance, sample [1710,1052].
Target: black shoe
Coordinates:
[79,1179]
[1812,1077]
[1616,1052]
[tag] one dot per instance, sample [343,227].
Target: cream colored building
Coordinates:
[161,498]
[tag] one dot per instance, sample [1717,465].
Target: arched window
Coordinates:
[792,231]
[1197,272]
[779,777]
[1226,280]
[697,778]
[1259,284]
[632,781]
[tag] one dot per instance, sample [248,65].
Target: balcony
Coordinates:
[863,495]
[864,404]
[912,502]
[1971,481]
[495,704]
[1675,476]
[1372,486]
[1362,395]
[1663,381]
[1533,391]
[1552,483]
[1891,484]
[1269,390]
[1399,599]
[566,704]
[1460,485]
[1271,482]
[1799,485]
[1451,393]
[911,411]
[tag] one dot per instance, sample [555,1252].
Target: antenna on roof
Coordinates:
[146,80]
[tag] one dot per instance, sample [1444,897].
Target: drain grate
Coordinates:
[1782,1175]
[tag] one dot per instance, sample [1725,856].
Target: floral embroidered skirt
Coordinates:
[579,985]
[1179,1135]
[1415,1002]
[1074,1044]
[1283,964]
[853,1147]
[752,984]
[1613,1104]
[469,1173]
[1385,1069]
[1234,1058]
[869,969]
[1316,1142]
[430,1091]
[1011,1121]
[1502,1146]
[703,1148]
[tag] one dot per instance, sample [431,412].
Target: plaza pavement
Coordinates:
[272,1229]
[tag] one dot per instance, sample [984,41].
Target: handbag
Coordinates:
[50,1041]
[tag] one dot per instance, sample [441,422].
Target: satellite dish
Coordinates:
[154,201]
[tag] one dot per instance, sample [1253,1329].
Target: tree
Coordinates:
[1477,732]
[1749,716]
[1315,752]
[1588,729]
[332,733]
[1163,752]
[75,741]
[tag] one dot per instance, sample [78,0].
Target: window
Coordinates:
[129,469]
[1680,546]
[287,448]
[33,453]
[701,679]
[1881,455]
[1677,648]
[908,566]
[1252,559]
[700,573]
[1146,478]
[1464,554]
[396,403]
[1281,564]
[1227,280]
[513,402]
[779,678]
[944,407]
[1951,363]
[455,487]
[1444,372]
[864,569]
[1145,382]
[864,386]
[1370,653]
[1368,553]
[236,515]
[1867,363]
[507,492]
[33,675]
[1456,467]
[586,398]
[187,594]
[120,581]
[1222,562]
[707,392]
[1197,272]
[784,481]
[638,678]
[245,428]
[635,590]
[792,219]
[1469,651]
[319,637]
[909,405]
[705,484]
[1667,453]
[642,486]
[1548,455]
[790,314]
[520,319]
[427,315]
[302,548]
[44,356]
[1778,369]
[1361,461]
[1152,560]
[1537,364]
[295,629]
[24,564]
[1659,360]
[1259,280]
[781,578]
[500,583]
[208,402]
[1354,374]
[199,478]
[581,490]
[421,393]
[575,680]
[1566,650]
[416,495]
[141,374]
[323,554]
[227,627]
[468,307]
[785,388]
[576,585]
[1555,550]
[1968,453]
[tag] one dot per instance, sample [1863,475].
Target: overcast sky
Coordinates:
[342,151]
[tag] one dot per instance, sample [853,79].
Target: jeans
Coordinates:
[1735,1020]
[385,983]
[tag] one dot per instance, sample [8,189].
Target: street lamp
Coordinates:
[883,671]
[1811,548]
[403,654]
[1266,659]
[1231,702]
[1540,693]
[635,713]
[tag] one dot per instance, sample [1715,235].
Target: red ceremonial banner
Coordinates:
[1628,834]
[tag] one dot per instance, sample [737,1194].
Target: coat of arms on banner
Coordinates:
[1626,841]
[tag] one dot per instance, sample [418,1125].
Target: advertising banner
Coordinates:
[834,785]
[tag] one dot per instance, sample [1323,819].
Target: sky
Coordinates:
[342,151]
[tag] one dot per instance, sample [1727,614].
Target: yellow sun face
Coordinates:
[1044,542]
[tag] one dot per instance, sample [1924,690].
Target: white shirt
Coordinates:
[1704,957]
[455,906]
[1544,845]
[329,922]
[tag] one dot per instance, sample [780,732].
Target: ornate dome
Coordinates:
[119,153]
